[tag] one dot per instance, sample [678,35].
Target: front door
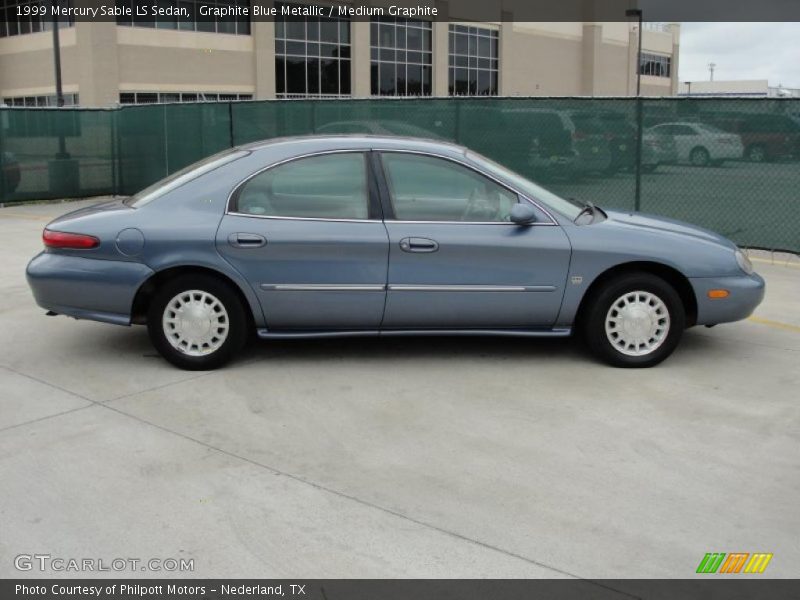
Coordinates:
[308,236]
[456,260]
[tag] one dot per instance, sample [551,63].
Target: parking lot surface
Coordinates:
[396,457]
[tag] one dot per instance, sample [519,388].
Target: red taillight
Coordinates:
[78,241]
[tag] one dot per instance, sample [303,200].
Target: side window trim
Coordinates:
[379,174]
[373,199]
[388,207]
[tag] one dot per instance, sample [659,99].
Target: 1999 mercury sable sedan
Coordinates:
[360,235]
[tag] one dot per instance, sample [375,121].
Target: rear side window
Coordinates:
[185,175]
[330,186]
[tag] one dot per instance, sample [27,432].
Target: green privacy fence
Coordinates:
[732,165]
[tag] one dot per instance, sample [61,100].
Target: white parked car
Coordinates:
[700,144]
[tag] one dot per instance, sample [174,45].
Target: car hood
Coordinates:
[642,221]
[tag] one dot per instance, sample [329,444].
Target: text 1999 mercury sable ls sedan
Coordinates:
[360,235]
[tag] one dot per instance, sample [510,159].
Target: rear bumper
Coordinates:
[746,293]
[86,288]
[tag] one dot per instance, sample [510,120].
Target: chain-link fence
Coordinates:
[731,165]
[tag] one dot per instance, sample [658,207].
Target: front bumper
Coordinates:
[746,293]
[86,288]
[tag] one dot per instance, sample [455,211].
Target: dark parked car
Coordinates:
[622,134]
[592,142]
[543,138]
[765,137]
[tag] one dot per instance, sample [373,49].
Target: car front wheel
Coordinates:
[635,320]
[196,322]
[699,157]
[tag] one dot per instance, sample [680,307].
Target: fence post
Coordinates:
[4,115]
[457,128]
[637,201]
[230,123]
[165,129]
[114,158]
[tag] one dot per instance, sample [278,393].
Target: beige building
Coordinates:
[135,61]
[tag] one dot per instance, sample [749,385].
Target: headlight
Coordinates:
[744,262]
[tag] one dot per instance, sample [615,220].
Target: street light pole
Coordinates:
[637,202]
[57,58]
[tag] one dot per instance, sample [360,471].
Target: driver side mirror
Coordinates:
[523,213]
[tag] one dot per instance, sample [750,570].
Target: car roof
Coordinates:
[322,143]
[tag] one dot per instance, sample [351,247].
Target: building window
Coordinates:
[473,64]
[33,17]
[312,56]
[655,65]
[209,24]
[401,57]
[40,101]
[163,97]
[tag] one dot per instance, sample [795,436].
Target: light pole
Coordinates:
[637,12]
[637,201]
[57,55]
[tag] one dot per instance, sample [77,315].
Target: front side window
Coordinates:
[330,186]
[401,57]
[426,188]
[312,56]
[473,63]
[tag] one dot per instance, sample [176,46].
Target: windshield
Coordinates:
[178,178]
[566,207]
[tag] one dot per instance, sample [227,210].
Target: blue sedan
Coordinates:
[373,236]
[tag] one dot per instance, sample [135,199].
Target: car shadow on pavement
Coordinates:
[411,348]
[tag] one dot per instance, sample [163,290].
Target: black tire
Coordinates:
[757,153]
[236,320]
[699,157]
[597,308]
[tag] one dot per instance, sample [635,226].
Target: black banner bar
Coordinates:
[712,588]
[432,10]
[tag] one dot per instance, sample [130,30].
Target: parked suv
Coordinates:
[765,137]
[591,139]
[545,138]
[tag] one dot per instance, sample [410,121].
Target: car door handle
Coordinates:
[417,244]
[247,240]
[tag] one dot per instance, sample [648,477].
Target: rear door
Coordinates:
[308,235]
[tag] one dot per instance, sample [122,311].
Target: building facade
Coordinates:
[167,60]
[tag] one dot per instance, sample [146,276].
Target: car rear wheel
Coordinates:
[635,320]
[699,157]
[197,322]
[756,153]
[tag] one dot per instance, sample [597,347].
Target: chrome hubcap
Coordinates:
[195,323]
[637,323]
